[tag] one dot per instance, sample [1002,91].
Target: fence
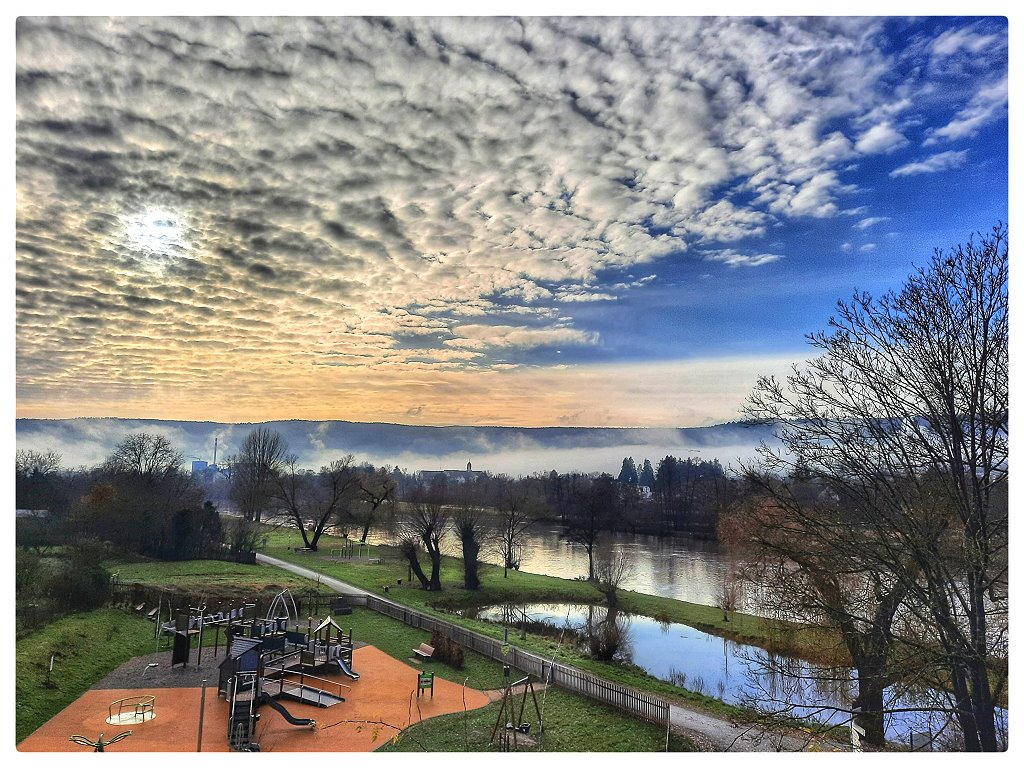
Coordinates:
[628,700]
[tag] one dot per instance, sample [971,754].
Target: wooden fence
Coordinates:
[629,700]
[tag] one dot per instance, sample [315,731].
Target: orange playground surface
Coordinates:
[382,700]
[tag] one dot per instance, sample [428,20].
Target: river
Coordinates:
[678,567]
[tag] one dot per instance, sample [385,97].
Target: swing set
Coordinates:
[514,725]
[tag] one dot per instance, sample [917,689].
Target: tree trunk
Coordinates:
[870,702]
[408,550]
[470,565]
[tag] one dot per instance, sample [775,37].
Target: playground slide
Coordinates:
[345,670]
[266,698]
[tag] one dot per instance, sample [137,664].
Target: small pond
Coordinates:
[720,668]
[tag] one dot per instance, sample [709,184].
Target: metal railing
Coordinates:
[133,709]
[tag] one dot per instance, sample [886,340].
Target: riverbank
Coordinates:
[382,568]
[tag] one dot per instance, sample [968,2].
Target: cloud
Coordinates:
[870,222]
[880,138]
[987,105]
[483,336]
[734,259]
[206,203]
[953,41]
[943,161]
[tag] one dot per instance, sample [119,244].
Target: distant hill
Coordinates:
[512,450]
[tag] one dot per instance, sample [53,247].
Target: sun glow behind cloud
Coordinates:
[463,219]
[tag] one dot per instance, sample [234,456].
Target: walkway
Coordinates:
[713,733]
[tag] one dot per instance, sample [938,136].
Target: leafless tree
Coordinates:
[35,463]
[377,489]
[470,524]
[426,520]
[514,504]
[147,456]
[261,457]
[611,567]
[589,515]
[904,419]
[312,501]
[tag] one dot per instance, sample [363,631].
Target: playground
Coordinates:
[269,687]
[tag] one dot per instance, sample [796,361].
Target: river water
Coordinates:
[681,568]
[735,673]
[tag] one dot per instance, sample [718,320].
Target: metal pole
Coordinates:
[202,707]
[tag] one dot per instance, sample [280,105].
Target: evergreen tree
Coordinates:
[628,473]
[647,474]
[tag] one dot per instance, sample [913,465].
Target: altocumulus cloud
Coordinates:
[222,208]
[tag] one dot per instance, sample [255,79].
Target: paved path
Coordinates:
[340,586]
[712,733]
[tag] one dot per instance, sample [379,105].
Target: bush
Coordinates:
[83,583]
[447,650]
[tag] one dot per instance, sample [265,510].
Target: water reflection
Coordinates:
[735,673]
[677,567]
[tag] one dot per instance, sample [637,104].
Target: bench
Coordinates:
[425,651]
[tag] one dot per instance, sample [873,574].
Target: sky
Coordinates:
[538,221]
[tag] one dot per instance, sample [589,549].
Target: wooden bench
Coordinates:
[425,651]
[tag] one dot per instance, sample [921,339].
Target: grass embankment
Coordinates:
[214,579]
[88,646]
[520,587]
[85,647]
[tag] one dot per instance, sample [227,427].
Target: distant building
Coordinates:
[454,475]
[199,467]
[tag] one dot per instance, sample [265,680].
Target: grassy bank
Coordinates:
[782,637]
[85,647]
[571,724]
[520,587]
[89,646]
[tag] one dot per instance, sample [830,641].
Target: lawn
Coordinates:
[88,646]
[84,647]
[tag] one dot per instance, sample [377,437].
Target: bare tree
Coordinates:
[312,501]
[262,455]
[469,522]
[377,489]
[140,499]
[514,519]
[34,463]
[611,567]
[589,514]
[904,418]
[426,520]
[147,456]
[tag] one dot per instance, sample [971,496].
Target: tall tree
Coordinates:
[469,522]
[377,489]
[312,501]
[590,514]
[647,475]
[513,503]
[426,521]
[135,495]
[628,473]
[905,413]
[262,455]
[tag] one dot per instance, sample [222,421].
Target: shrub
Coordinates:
[447,650]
